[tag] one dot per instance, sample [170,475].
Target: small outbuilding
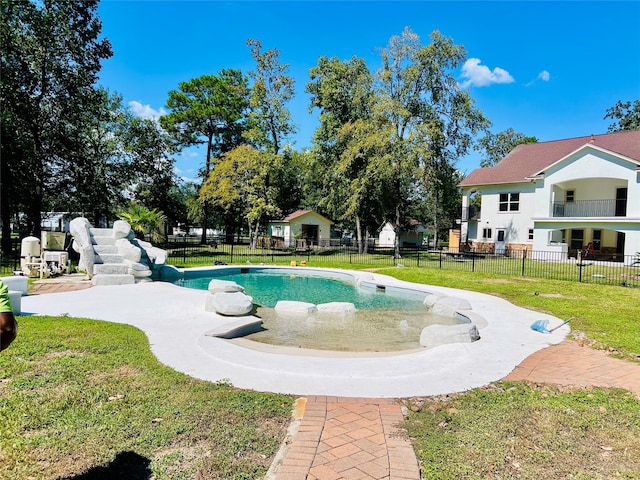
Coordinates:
[304,228]
[413,236]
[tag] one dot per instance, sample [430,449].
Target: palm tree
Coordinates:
[144,220]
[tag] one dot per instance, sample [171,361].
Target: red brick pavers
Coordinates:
[571,364]
[350,439]
[58,285]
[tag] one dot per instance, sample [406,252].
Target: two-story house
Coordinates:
[579,194]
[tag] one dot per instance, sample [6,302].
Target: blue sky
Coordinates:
[546,69]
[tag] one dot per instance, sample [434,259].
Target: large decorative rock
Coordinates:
[231,304]
[435,335]
[121,229]
[79,227]
[447,306]
[339,308]
[156,256]
[289,307]
[137,269]
[128,250]
[224,286]
[431,300]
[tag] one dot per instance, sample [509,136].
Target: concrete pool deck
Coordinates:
[175,322]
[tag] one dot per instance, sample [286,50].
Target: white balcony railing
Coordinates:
[590,208]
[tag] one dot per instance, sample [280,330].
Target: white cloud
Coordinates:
[146,111]
[481,76]
[544,76]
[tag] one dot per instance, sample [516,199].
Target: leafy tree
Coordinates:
[144,220]
[51,54]
[626,116]
[497,146]
[343,92]
[98,176]
[148,147]
[242,182]
[208,110]
[211,110]
[431,121]
[270,120]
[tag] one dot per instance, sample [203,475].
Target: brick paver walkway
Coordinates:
[571,364]
[350,439]
[57,287]
[361,439]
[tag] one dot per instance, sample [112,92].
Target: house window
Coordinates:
[577,237]
[531,234]
[486,233]
[597,240]
[509,202]
[570,196]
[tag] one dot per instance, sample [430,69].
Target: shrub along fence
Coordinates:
[622,271]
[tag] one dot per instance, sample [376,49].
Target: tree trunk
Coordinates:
[359,235]
[396,230]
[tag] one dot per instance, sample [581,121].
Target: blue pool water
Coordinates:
[267,288]
[384,320]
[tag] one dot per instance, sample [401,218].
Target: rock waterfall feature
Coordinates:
[113,256]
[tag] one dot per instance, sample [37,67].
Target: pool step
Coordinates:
[113,279]
[110,269]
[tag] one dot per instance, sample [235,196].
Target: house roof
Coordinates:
[301,213]
[529,159]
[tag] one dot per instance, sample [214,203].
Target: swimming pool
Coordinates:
[385,319]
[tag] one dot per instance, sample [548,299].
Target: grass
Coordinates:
[82,399]
[515,430]
[606,315]
[87,399]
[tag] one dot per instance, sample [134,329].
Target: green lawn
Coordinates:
[82,399]
[87,397]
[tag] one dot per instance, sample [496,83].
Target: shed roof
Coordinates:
[529,159]
[301,213]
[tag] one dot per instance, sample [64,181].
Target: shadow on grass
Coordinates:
[127,465]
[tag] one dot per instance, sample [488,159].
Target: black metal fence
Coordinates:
[188,252]
[620,270]
[10,261]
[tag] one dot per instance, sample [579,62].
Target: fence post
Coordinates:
[440,258]
[579,269]
[524,256]
[473,261]
[184,252]
[231,261]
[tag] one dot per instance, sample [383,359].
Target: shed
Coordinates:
[303,226]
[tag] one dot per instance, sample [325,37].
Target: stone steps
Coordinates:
[113,279]
[103,240]
[108,258]
[110,269]
[101,248]
[101,232]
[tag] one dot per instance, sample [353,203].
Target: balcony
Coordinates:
[590,208]
[470,213]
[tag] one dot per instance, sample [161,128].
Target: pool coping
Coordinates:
[175,322]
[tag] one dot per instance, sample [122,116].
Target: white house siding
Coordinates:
[592,174]
[515,224]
